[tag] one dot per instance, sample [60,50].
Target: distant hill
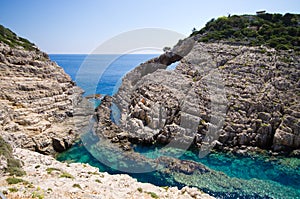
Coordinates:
[274,30]
[10,38]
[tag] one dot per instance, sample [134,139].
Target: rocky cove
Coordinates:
[248,128]
[43,113]
[220,97]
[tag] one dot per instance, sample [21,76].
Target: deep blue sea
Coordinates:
[253,176]
[99,73]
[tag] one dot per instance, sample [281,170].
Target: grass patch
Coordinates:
[153,195]
[37,195]
[66,175]
[77,186]
[12,189]
[49,170]
[93,173]
[16,171]
[97,180]
[14,180]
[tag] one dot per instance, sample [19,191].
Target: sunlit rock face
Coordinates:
[37,101]
[234,96]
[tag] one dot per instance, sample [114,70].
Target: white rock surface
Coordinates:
[93,184]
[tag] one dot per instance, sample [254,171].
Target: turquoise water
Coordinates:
[257,176]
[253,176]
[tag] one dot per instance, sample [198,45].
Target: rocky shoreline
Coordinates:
[48,178]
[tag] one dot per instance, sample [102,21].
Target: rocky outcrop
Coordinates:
[229,96]
[48,178]
[38,101]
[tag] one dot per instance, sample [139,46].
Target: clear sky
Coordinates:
[79,26]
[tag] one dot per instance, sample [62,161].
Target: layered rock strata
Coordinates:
[37,101]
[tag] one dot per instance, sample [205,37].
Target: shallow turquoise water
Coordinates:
[285,171]
[236,177]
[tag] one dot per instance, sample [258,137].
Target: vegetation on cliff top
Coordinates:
[274,30]
[10,38]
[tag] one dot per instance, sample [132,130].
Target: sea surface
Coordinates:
[234,176]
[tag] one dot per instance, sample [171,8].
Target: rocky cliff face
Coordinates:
[237,97]
[37,101]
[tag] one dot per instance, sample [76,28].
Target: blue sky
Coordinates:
[79,26]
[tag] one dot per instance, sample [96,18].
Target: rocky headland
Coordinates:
[250,95]
[223,95]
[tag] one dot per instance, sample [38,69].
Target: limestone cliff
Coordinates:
[234,96]
[37,99]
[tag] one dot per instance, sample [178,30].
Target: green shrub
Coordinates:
[11,39]
[274,30]
[14,166]
[16,171]
[140,189]
[14,180]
